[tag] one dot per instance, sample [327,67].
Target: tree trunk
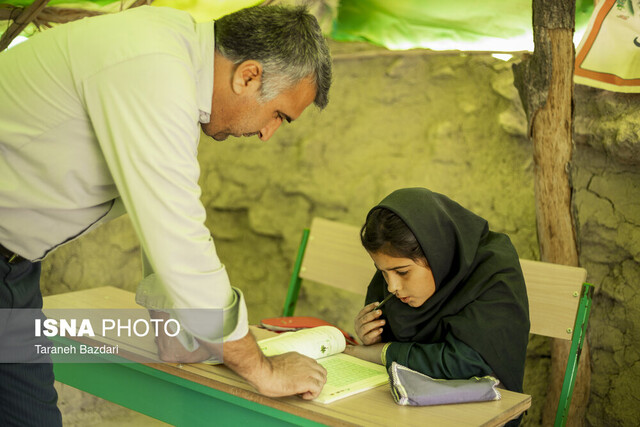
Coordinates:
[545,84]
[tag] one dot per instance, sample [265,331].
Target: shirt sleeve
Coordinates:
[145,117]
[152,295]
[451,359]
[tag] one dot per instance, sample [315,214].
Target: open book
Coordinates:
[346,375]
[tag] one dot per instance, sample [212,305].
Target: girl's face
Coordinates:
[412,282]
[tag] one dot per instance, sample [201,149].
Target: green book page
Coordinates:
[346,375]
[315,342]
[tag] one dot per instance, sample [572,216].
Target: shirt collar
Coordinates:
[206,40]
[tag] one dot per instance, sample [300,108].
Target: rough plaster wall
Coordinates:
[107,256]
[450,123]
[606,178]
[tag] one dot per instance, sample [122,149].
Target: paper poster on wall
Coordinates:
[608,57]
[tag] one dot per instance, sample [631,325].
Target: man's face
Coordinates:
[241,114]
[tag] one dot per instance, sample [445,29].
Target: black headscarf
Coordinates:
[480,294]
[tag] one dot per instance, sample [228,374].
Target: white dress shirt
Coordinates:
[100,116]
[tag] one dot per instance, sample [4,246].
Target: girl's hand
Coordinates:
[367,325]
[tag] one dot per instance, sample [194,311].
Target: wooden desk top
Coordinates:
[371,408]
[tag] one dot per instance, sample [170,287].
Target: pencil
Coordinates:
[388,297]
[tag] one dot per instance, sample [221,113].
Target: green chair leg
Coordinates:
[294,283]
[579,335]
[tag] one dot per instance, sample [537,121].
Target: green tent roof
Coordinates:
[491,25]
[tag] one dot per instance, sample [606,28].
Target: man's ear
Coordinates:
[247,77]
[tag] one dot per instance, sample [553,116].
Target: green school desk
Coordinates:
[199,394]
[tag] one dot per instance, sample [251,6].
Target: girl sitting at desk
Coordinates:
[460,305]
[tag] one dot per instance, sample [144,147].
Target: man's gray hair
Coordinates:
[286,41]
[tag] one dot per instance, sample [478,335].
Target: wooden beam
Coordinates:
[21,21]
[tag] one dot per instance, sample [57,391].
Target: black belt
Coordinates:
[10,256]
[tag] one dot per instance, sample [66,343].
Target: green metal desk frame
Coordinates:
[171,399]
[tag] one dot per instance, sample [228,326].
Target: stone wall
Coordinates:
[452,123]
[606,179]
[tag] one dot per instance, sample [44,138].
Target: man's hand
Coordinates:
[368,326]
[372,353]
[170,349]
[293,373]
[283,375]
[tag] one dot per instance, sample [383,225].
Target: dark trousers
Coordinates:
[27,395]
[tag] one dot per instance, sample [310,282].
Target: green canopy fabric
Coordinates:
[202,10]
[493,25]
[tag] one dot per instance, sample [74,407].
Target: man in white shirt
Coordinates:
[102,116]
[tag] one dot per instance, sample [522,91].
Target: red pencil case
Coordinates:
[294,323]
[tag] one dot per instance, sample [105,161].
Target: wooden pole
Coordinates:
[545,84]
[21,21]
[44,16]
